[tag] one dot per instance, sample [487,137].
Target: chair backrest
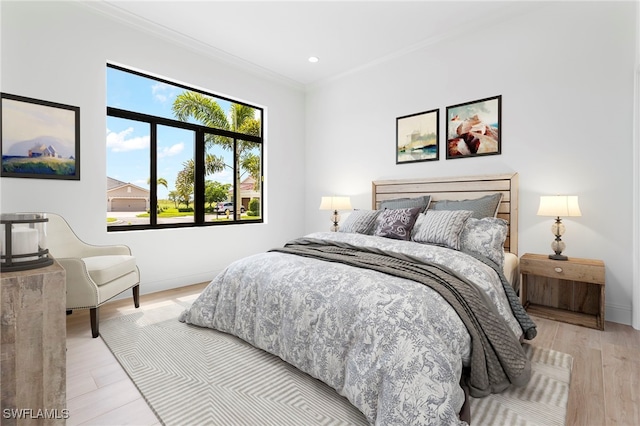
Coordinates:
[62,242]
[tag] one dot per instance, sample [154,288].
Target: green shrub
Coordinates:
[254,207]
[185,209]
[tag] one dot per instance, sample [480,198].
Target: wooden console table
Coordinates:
[33,356]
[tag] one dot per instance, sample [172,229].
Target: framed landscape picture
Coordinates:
[39,139]
[473,128]
[417,137]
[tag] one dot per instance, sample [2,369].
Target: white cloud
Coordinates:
[171,150]
[119,142]
[225,176]
[162,91]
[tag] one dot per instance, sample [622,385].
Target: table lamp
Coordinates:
[335,204]
[557,206]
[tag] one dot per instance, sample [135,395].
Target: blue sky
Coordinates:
[128,141]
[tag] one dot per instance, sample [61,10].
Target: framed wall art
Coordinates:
[417,137]
[473,128]
[39,139]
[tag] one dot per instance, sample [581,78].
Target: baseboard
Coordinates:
[618,313]
[170,283]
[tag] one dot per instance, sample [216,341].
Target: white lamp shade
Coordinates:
[559,206]
[335,203]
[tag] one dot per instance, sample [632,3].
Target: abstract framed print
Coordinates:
[473,128]
[417,137]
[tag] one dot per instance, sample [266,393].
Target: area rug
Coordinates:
[190,375]
[543,402]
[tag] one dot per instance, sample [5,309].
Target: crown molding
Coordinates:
[511,10]
[113,12]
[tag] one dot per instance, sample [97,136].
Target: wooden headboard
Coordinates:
[459,188]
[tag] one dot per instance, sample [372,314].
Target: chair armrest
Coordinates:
[81,290]
[88,250]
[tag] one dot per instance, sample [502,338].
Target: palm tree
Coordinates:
[184,187]
[159,181]
[209,113]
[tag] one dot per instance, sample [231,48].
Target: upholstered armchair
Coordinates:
[95,274]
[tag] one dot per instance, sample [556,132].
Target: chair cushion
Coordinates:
[104,269]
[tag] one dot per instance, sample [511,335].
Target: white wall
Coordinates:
[565,71]
[58,52]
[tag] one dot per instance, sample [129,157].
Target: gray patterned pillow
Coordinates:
[486,206]
[486,237]
[360,222]
[396,223]
[407,203]
[441,227]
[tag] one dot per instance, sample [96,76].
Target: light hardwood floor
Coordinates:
[605,382]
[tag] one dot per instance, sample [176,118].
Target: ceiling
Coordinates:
[278,37]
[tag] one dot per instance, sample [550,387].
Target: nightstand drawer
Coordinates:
[584,270]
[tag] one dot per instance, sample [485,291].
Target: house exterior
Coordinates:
[43,151]
[126,197]
[247,191]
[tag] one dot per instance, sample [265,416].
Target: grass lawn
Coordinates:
[170,210]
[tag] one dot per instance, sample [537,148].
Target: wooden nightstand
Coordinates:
[570,291]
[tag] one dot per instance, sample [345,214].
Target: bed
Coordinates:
[405,310]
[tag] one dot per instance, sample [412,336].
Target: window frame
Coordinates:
[199,160]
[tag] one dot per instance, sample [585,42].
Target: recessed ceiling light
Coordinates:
[313,59]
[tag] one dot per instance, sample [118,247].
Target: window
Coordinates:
[177,156]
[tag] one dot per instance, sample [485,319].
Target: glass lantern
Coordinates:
[23,241]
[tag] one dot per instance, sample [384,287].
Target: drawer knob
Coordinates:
[557,269]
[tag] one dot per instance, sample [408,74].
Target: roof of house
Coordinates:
[115,183]
[248,184]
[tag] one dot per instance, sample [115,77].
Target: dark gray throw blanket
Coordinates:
[529,329]
[497,359]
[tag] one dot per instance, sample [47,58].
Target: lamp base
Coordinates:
[335,218]
[558,245]
[558,257]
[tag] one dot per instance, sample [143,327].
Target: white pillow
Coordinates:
[442,227]
[486,237]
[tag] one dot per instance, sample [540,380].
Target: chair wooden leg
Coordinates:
[136,296]
[94,322]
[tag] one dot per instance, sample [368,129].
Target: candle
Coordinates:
[23,241]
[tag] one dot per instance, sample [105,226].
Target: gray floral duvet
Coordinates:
[391,346]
